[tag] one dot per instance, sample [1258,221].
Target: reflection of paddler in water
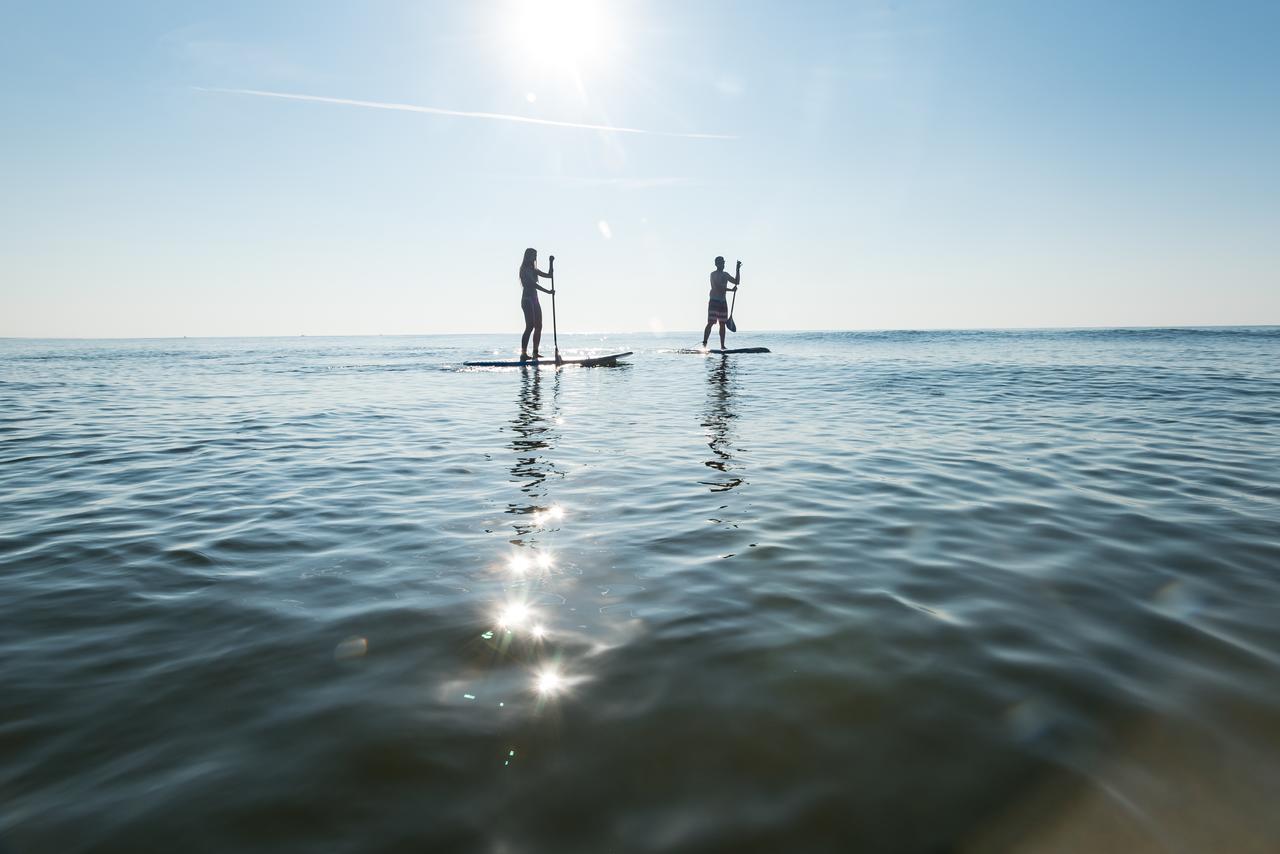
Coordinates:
[717,419]
[529,275]
[533,438]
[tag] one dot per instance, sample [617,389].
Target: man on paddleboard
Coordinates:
[718,304]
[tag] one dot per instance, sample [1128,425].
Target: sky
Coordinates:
[875,165]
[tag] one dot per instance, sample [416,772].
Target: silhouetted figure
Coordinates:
[718,305]
[529,304]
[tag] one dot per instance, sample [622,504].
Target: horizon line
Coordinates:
[649,333]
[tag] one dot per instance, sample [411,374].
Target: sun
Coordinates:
[568,34]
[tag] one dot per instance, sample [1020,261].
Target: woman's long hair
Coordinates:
[529,255]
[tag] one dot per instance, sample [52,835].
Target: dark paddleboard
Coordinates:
[729,352]
[594,362]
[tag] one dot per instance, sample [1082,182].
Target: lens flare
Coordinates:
[351,648]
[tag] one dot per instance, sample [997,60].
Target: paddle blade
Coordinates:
[733,327]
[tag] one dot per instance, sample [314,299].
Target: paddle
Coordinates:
[555,335]
[733,327]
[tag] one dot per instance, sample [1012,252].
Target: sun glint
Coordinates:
[514,616]
[549,682]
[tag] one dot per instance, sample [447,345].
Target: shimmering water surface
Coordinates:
[872,592]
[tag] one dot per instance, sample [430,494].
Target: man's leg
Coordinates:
[722,335]
[706,333]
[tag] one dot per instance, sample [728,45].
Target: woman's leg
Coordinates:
[529,319]
[537,329]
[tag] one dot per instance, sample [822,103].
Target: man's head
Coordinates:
[719,262]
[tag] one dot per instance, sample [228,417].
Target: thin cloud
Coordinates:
[586,181]
[467,114]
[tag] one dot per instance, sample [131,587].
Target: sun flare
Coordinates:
[568,34]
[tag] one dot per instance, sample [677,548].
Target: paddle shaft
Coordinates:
[734,301]
[555,335]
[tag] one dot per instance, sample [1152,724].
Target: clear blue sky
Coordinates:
[891,164]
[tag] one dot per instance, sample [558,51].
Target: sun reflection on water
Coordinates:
[551,514]
[521,564]
[514,616]
[549,682]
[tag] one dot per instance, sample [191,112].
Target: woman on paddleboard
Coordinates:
[529,274]
[718,305]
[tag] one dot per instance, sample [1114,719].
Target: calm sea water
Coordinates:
[968,591]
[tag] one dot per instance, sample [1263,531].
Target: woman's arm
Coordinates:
[540,287]
[551,271]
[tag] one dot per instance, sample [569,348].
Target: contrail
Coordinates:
[467,114]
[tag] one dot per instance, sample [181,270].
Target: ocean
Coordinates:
[874,591]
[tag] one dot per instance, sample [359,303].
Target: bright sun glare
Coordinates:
[565,33]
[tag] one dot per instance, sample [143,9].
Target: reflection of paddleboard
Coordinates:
[729,352]
[594,362]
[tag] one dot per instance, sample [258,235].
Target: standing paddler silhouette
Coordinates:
[717,305]
[529,274]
